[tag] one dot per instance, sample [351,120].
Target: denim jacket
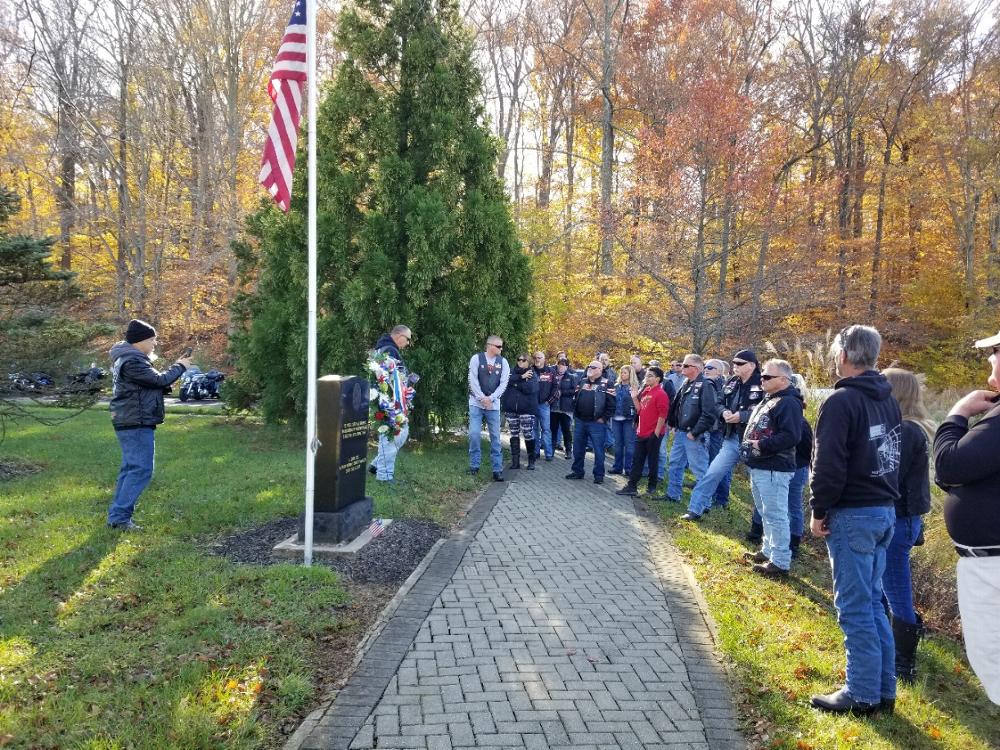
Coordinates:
[624,406]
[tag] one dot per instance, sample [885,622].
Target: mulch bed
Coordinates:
[389,559]
[10,469]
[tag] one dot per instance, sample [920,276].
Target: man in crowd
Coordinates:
[489,373]
[692,415]
[772,433]
[392,345]
[854,489]
[640,371]
[543,426]
[593,409]
[136,409]
[675,377]
[609,373]
[740,394]
[653,406]
[967,465]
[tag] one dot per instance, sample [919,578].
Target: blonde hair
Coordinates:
[907,389]
[633,379]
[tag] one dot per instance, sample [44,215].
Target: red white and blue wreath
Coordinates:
[390,395]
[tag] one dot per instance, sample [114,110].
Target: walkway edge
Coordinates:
[333,727]
[698,635]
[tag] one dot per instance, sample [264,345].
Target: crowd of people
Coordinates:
[866,461]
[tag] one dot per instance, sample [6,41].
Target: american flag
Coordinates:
[376,527]
[285,88]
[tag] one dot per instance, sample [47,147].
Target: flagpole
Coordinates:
[311,444]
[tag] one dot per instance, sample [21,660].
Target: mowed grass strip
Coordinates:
[784,645]
[145,640]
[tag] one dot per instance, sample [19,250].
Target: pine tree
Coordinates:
[414,226]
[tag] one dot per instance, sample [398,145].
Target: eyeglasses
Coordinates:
[594,367]
[711,367]
[522,359]
[772,377]
[685,367]
[737,363]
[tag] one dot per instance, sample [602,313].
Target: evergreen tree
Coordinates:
[414,226]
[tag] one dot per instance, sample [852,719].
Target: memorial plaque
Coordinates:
[341,509]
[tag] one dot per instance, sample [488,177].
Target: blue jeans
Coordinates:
[492,417]
[661,467]
[624,433]
[720,472]
[796,517]
[857,544]
[897,580]
[609,440]
[770,498]
[597,432]
[135,472]
[543,430]
[685,453]
[388,449]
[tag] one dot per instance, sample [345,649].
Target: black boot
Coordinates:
[907,637]
[796,540]
[515,453]
[756,533]
[529,447]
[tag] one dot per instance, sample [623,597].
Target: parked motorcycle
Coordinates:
[30,382]
[87,380]
[200,385]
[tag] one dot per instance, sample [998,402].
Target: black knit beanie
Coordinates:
[746,355]
[139,330]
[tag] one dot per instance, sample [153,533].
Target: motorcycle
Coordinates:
[200,385]
[29,382]
[86,380]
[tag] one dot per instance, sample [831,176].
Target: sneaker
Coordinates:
[689,516]
[755,557]
[573,475]
[769,570]
[128,525]
[627,492]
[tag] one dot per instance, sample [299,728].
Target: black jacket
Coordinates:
[967,465]
[137,391]
[741,397]
[564,391]
[594,400]
[521,396]
[694,408]
[776,422]
[856,456]
[914,472]
[803,451]
[545,377]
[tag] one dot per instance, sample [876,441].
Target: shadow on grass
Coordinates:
[33,602]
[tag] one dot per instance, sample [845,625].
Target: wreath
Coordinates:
[390,395]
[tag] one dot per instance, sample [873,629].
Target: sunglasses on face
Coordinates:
[522,359]
[685,367]
[738,364]
[770,377]
[710,367]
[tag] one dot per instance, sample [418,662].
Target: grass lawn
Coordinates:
[145,640]
[784,645]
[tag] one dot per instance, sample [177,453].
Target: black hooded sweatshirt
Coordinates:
[857,448]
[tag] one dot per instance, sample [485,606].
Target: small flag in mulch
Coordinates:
[376,528]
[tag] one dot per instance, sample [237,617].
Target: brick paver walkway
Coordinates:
[569,623]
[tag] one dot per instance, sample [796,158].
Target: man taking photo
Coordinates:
[136,409]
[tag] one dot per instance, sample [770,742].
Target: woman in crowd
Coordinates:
[561,415]
[623,423]
[914,501]
[520,403]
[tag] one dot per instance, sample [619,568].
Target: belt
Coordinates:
[977,551]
